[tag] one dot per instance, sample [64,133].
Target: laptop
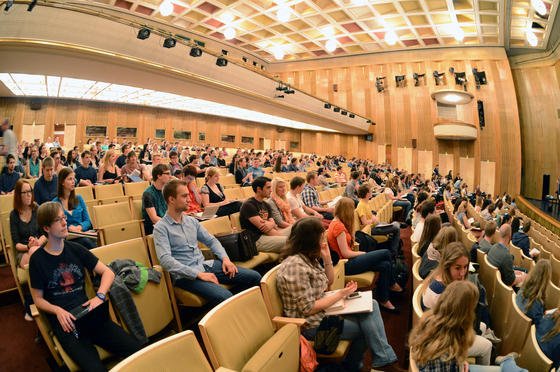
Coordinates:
[208,213]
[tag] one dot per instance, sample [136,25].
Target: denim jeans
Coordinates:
[508,365]
[214,293]
[407,206]
[379,261]
[395,236]
[364,330]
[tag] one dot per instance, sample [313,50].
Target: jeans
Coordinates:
[363,330]
[508,365]
[407,206]
[379,261]
[214,293]
[95,328]
[395,236]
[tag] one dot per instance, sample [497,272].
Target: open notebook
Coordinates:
[361,304]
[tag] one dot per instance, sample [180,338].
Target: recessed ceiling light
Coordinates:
[458,33]
[359,2]
[531,38]
[391,37]
[229,33]
[283,13]
[166,8]
[330,45]
[328,31]
[278,52]
[227,17]
[539,6]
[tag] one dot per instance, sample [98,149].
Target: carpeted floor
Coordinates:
[19,351]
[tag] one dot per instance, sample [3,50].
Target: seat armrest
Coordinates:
[34,310]
[283,320]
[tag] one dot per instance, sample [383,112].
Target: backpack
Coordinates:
[400,272]
[328,334]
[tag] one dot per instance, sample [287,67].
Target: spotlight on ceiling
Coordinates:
[438,76]
[461,79]
[400,80]
[195,51]
[222,61]
[531,38]
[344,112]
[327,105]
[169,42]
[479,77]
[368,121]
[352,116]
[336,109]
[31,5]
[380,84]
[391,38]
[255,64]
[289,91]
[278,96]
[244,59]
[8,5]
[143,33]
[417,78]
[452,70]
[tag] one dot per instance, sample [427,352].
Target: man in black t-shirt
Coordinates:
[57,276]
[256,217]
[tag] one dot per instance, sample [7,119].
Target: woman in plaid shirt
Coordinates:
[302,282]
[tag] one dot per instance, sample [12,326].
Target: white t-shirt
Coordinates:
[415,237]
[388,191]
[295,202]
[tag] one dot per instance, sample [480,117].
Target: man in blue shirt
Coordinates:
[86,175]
[256,168]
[9,176]
[44,189]
[176,238]
[153,203]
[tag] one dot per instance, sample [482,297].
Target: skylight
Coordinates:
[65,87]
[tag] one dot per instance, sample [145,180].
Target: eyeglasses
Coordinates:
[59,219]
[26,192]
[166,173]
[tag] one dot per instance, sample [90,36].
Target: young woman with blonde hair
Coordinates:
[444,335]
[109,172]
[431,258]
[278,202]
[530,297]
[212,193]
[340,236]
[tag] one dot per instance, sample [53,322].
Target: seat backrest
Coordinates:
[324,196]
[417,305]
[532,357]
[517,330]
[137,209]
[173,353]
[233,193]
[416,278]
[217,225]
[154,302]
[242,319]
[6,203]
[234,220]
[108,191]
[247,192]
[415,254]
[501,306]
[86,192]
[135,188]
[271,294]
[552,298]
[110,214]
[516,253]
[334,192]
[488,278]
[555,263]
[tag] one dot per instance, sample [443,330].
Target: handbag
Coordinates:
[328,334]
[239,245]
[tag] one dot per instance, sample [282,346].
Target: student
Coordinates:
[442,338]
[548,336]
[212,194]
[33,166]
[9,176]
[310,197]
[256,217]
[86,175]
[302,282]
[74,207]
[176,238]
[109,172]
[279,205]
[460,212]
[432,226]
[153,203]
[530,297]
[298,208]
[24,229]
[256,168]
[489,233]
[341,241]
[242,176]
[432,256]
[46,186]
[428,208]
[500,257]
[57,279]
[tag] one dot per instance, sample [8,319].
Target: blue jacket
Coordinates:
[536,312]
[79,215]
[551,348]
[44,191]
[89,173]
[8,181]
[521,240]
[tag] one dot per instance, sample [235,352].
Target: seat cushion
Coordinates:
[339,353]
[259,259]
[364,280]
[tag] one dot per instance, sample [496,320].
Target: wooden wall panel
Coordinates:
[381,158]
[488,177]
[407,113]
[446,164]
[425,163]
[405,158]
[466,169]
[538,96]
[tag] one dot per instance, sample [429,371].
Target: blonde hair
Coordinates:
[210,172]
[534,286]
[446,332]
[107,157]
[555,329]
[344,210]
[277,182]
[451,253]
[447,234]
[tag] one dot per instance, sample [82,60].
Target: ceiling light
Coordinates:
[352,116]
[458,33]
[143,33]
[359,2]
[327,105]
[227,17]
[531,38]
[229,33]
[166,8]
[221,62]
[328,31]
[169,42]
[195,52]
[336,109]
[8,5]
[344,112]
[31,5]
[283,13]
[539,6]
[330,45]
[391,37]
[278,52]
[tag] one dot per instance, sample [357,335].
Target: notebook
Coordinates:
[208,213]
[362,304]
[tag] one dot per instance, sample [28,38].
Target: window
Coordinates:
[96,131]
[249,140]
[294,145]
[201,136]
[160,133]
[182,135]
[228,138]
[126,132]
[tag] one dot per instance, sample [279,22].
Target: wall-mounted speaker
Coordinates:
[280,130]
[545,186]
[335,87]
[368,137]
[414,143]
[35,104]
[480,106]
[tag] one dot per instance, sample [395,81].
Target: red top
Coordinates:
[335,228]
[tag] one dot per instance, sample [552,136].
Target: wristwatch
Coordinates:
[102,296]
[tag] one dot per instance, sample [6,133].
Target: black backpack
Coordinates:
[400,272]
[328,334]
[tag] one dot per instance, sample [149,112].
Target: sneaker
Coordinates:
[501,358]
[28,317]
[490,336]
